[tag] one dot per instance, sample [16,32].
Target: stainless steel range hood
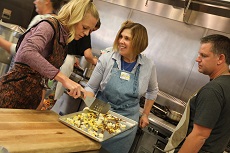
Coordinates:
[215,7]
[210,14]
[213,14]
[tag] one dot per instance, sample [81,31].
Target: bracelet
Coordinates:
[143,114]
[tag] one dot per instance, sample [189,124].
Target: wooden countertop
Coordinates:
[35,131]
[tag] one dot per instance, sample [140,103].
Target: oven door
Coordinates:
[149,140]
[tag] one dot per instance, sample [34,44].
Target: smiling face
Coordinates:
[85,26]
[207,60]
[125,43]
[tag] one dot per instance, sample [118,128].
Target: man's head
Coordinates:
[214,55]
[48,6]
[220,45]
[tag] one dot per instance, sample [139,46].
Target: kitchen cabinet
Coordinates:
[40,131]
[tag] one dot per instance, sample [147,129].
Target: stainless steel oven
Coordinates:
[154,137]
[151,139]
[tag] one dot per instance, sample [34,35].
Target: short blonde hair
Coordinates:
[73,12]
[139,40]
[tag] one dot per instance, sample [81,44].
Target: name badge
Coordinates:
[125,76]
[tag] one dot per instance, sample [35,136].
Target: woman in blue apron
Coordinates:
[121,78]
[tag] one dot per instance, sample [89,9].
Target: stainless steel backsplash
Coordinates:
[173,44]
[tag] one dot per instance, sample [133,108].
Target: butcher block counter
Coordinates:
[23,130]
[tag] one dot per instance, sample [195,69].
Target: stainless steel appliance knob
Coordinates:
[155,132]
[150,129]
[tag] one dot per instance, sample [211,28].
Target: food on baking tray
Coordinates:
[96,124]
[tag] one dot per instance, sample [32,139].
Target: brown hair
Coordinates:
[139,34]
[98,25]
[57,4]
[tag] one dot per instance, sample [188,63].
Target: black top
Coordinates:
[77,47]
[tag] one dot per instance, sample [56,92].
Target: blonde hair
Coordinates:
[139,40]
[73,12]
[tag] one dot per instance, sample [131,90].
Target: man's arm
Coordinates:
[195,139]
[89,56]
[5,45]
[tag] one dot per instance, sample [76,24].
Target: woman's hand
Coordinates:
[144,121]
[74,89]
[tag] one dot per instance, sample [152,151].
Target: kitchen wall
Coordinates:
[173,44]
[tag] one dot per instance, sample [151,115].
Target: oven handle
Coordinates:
[156,147]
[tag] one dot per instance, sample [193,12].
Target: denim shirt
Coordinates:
[148,85]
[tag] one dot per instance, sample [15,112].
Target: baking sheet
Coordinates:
[123,120]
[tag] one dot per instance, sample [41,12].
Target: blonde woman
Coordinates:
[40,53]
[45,9]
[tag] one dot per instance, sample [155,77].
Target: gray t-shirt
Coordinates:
[211,108]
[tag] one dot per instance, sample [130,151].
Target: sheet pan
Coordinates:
[123,120]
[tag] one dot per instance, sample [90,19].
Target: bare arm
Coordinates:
[195,139]
[89,56]
[5,44]
[151,92]
[144,121]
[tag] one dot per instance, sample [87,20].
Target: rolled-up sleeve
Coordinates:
[148,79]
[152,89]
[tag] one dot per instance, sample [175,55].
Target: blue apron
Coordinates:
[124,99]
